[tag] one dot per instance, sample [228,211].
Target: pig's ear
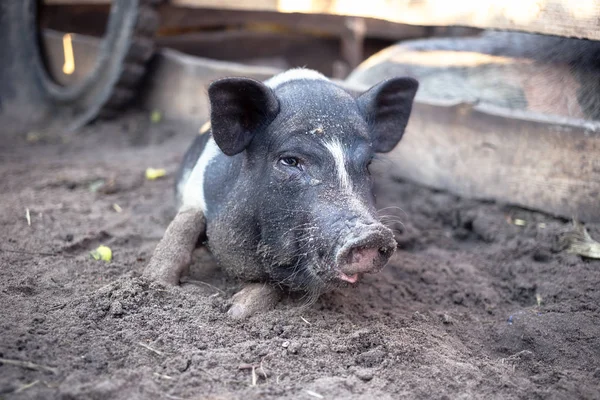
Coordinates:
[240,107]
[386,107]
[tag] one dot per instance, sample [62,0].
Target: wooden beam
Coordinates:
[177,83]
[554,17]
[550,164]
[79,15]
[174,19]
[569,18]
[76,2]
[281,49]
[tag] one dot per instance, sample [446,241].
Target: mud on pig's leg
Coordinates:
[173,254]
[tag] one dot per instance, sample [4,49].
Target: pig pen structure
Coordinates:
[486,296]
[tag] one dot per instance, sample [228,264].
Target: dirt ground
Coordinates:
[472,305]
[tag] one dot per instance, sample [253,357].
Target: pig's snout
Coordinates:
[366,253]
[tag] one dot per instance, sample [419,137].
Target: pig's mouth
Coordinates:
[362,260]
[366,255]
[348,278]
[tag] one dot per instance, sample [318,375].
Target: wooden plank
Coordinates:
[555,17]
[280,49]
[76,2]
[174,19]
[78,15]
[177,83]
[550,164]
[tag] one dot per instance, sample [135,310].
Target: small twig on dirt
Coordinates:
[58,307]
[194,282]
[28,216]
[31,253]
[517,356]
[28,365]
[263,370]
[170,396]
[314,394]
[304,319]
[422,332]
[167,377]
[254,377]
[27,386]
[160,353]
[513,359]
[415,330]
[254,368]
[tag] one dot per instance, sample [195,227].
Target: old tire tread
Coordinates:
[131,75]
[147,22]
[138,54]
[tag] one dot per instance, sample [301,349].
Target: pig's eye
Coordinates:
[290,161]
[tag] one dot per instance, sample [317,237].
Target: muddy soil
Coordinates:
[478,302]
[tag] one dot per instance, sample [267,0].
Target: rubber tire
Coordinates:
[134,67]
[29,97]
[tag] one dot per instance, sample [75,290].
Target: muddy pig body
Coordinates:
[281,179]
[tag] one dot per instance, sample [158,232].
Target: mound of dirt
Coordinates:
[479,301]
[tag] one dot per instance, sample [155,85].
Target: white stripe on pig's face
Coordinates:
[339,157]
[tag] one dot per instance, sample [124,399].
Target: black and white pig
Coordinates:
[279,187]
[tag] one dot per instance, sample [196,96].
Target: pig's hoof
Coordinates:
[253,298]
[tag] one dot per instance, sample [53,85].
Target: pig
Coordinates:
[279,187]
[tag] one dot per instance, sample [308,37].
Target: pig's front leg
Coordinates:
[173,254]
[252,299]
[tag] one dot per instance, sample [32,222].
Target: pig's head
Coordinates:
[307,195]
